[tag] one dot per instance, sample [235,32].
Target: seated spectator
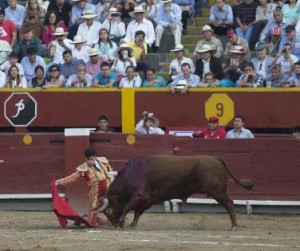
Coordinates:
[102,9]
[294,80]
[80,50]
[212,132]
[5,50]
[124,58]
[151,8]
[90,28]
[175,65]
[209,80]
[239,132]
[103,125]
[138,46]
[277,23]
[80,79]
[235,62]
[56,79]
[291,38]
[290,12]
[105,78]
[168,17]
[208,63]
[56,48]
[250,78]
[276,78]
[190,80]
[286,61]
[148,125]
[12,60]
[33,8]
[234,40]
[153,80]
[262,62]
[114,25]
[105,46]
[29,63]
[39,80]
[93,66]
[70,65]
[34,24]
[15,12]
[63,9]
[2,78]
[273,45]
[132,79]
[221,17]
[3,4]
[14,79]
[198,6]
[52,21]
[187,10]
[28,42]
[8,29]
[125,8]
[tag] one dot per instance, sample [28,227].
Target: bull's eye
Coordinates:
[108,211]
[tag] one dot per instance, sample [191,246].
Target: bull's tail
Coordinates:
[245,184]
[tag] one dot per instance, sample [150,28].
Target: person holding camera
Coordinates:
[148,124]
[250,78]
[139,46]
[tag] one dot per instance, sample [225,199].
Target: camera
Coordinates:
[284,50]
[140,41]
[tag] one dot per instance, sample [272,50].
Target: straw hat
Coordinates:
[137,9]
[181,84]
[124,46]
[60,31]
[93,52]
[205,48]
[78,39]
[165,1]
[89,14]
[237,49]
[178,47]
[114,10]
[207,28]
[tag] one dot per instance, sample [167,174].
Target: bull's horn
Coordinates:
[99,208]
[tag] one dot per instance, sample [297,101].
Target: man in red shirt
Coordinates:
[212,132]
[8,30]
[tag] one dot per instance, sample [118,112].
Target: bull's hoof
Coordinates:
[132,226]
[233,228]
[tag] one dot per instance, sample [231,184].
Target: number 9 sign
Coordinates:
[221,105]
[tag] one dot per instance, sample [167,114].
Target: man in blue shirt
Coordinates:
[291,38]
[105,78]
[69,67]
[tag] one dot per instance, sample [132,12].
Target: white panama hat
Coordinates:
[178,47]
[205,48]
[93,52]
[59,31]
[181,84]
[88,14]
[78,39]
[237,49]
[207,28]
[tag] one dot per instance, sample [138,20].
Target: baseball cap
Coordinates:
[213,119]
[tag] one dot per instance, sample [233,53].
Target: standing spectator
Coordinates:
[80,51]
[209,39]
[221,17]
[234,40]
[61,44]
[14,79]
[152,80]
[105,78]
[55,79]
[187,9]
[34,24]
[114,25]
[93,66]
[208,63]
[33,8]
[126,7]
[291,12]
[250,78]
[5,50]
[148,125]
[106,48]
[29,63]
[52,21]
[39,80]
[239,132]
[70,65]
[123,59]
[90,28]
[262,61]
[212,132]
[28,42]
[168,17]
[15,12]
[81,79]
[132,79]
[63,8]
[102,9]
[273,45]
[246,19]
[175,65]
[140,23]
[291,38]
[277,23]
[8,30]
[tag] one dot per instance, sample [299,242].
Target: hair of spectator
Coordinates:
[297,63]
[10,68]
[2,13]
[186,64]
[39,67]
[276,68]
[67,52]
[239,117]
[89,153]
[48,14]
[13,54]
[108,39]
[31,50]
[140,32]
[104,64]
[288,44]
[130,67]
[209,74]
[249,64]
[151,69]
[102,117]
[277,10]
[54,66]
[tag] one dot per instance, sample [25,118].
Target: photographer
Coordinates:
[250,78]
[148,124]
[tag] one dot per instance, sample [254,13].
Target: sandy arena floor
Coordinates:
[183,231]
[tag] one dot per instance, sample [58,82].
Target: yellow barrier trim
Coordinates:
[128,110]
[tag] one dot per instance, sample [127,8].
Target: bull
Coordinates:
[149,180]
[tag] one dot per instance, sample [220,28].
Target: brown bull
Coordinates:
[148,180]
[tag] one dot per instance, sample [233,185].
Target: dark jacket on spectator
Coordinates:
[214,65]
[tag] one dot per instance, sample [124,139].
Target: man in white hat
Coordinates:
[90,28]
[208,63]
[114,25]
[57,47]
[93,65]
[168,17]
[80,50]
[210,39]
[140,23]
[179,59]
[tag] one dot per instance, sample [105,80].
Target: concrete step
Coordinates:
[191,39]
[201,21]
[194,30]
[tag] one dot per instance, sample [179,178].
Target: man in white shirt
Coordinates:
[81,51]
[239,132]
[140,23]
[81,79]
[15,12]
[90,28]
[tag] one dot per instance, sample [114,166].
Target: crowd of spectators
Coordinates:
[105,43]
